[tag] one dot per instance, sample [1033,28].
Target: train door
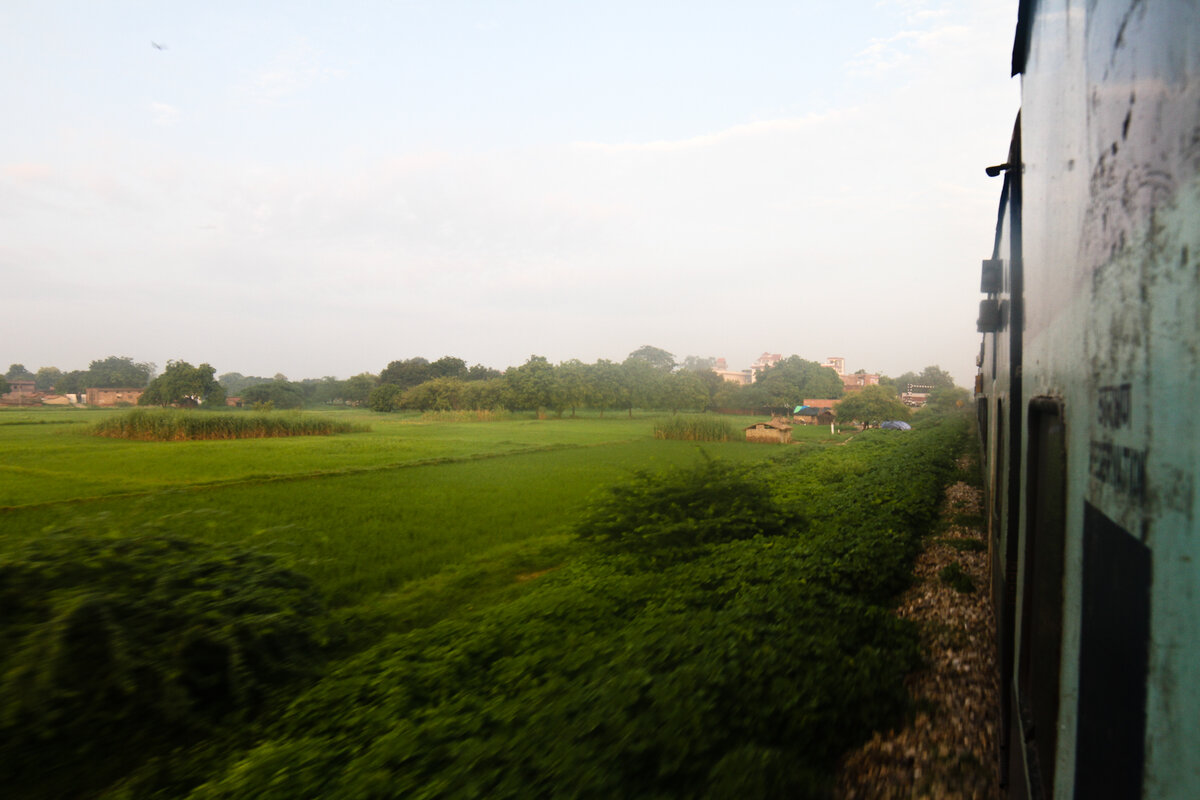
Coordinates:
[1036,690]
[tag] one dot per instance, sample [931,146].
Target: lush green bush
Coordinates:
[111,643]
[276,394]
[719,676]
[695,429]
[384,397]
[669,515]
[741,670]
[173,425]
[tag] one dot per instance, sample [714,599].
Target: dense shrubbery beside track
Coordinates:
[725,631]
[110,644]
[744,669]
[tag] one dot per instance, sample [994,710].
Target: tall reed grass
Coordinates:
[171,425]
[695,429]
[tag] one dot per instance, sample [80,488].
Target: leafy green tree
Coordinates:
[654,356]
[737,397]
[119,372]
[685,389]
[448,367]
[698,364]
[326,390]
[712,383]
[438,394]
[183,384]
[384,397]
[573,383]
[933,376]
[408,373]
[478,372]
[946,400]
[4,387]
[936,377]
[646,383]
[357,389]
[484,395]
[280,394]
[236,383]
[606,385]
[73,382]
[791,380]
[533,386]
[871,405]
[18,372]
[47,378]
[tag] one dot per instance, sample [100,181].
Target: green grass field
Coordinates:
[361,513]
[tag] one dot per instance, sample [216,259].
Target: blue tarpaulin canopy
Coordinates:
[807,411]
[895,425]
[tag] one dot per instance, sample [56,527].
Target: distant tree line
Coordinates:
[648,378]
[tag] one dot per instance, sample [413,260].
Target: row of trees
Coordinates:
[648,378]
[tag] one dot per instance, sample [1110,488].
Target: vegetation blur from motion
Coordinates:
[446,608]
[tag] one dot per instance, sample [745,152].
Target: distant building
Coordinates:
[852,383]
[777,431]
[741,377]
[816,412]
[113,397]
[764,362]
[21,392]
[745,377]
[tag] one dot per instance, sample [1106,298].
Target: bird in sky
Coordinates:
[158,46]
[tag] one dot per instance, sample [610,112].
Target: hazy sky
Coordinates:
[319,188]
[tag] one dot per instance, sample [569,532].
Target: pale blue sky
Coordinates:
[317,189]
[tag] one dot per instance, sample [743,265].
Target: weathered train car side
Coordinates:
[1088,374]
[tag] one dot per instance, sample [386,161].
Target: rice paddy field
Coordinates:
[362,513]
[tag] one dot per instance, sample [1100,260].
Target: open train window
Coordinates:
[1042,591]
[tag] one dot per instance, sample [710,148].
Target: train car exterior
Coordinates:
[1088,397]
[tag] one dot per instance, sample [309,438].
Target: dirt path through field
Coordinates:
[948,750]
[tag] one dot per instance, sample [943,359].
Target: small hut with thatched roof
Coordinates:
[776,431]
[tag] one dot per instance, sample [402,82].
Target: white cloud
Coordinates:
[887,54]
[164,115]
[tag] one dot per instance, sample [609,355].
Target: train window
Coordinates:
[1042,590]
[1114,642]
